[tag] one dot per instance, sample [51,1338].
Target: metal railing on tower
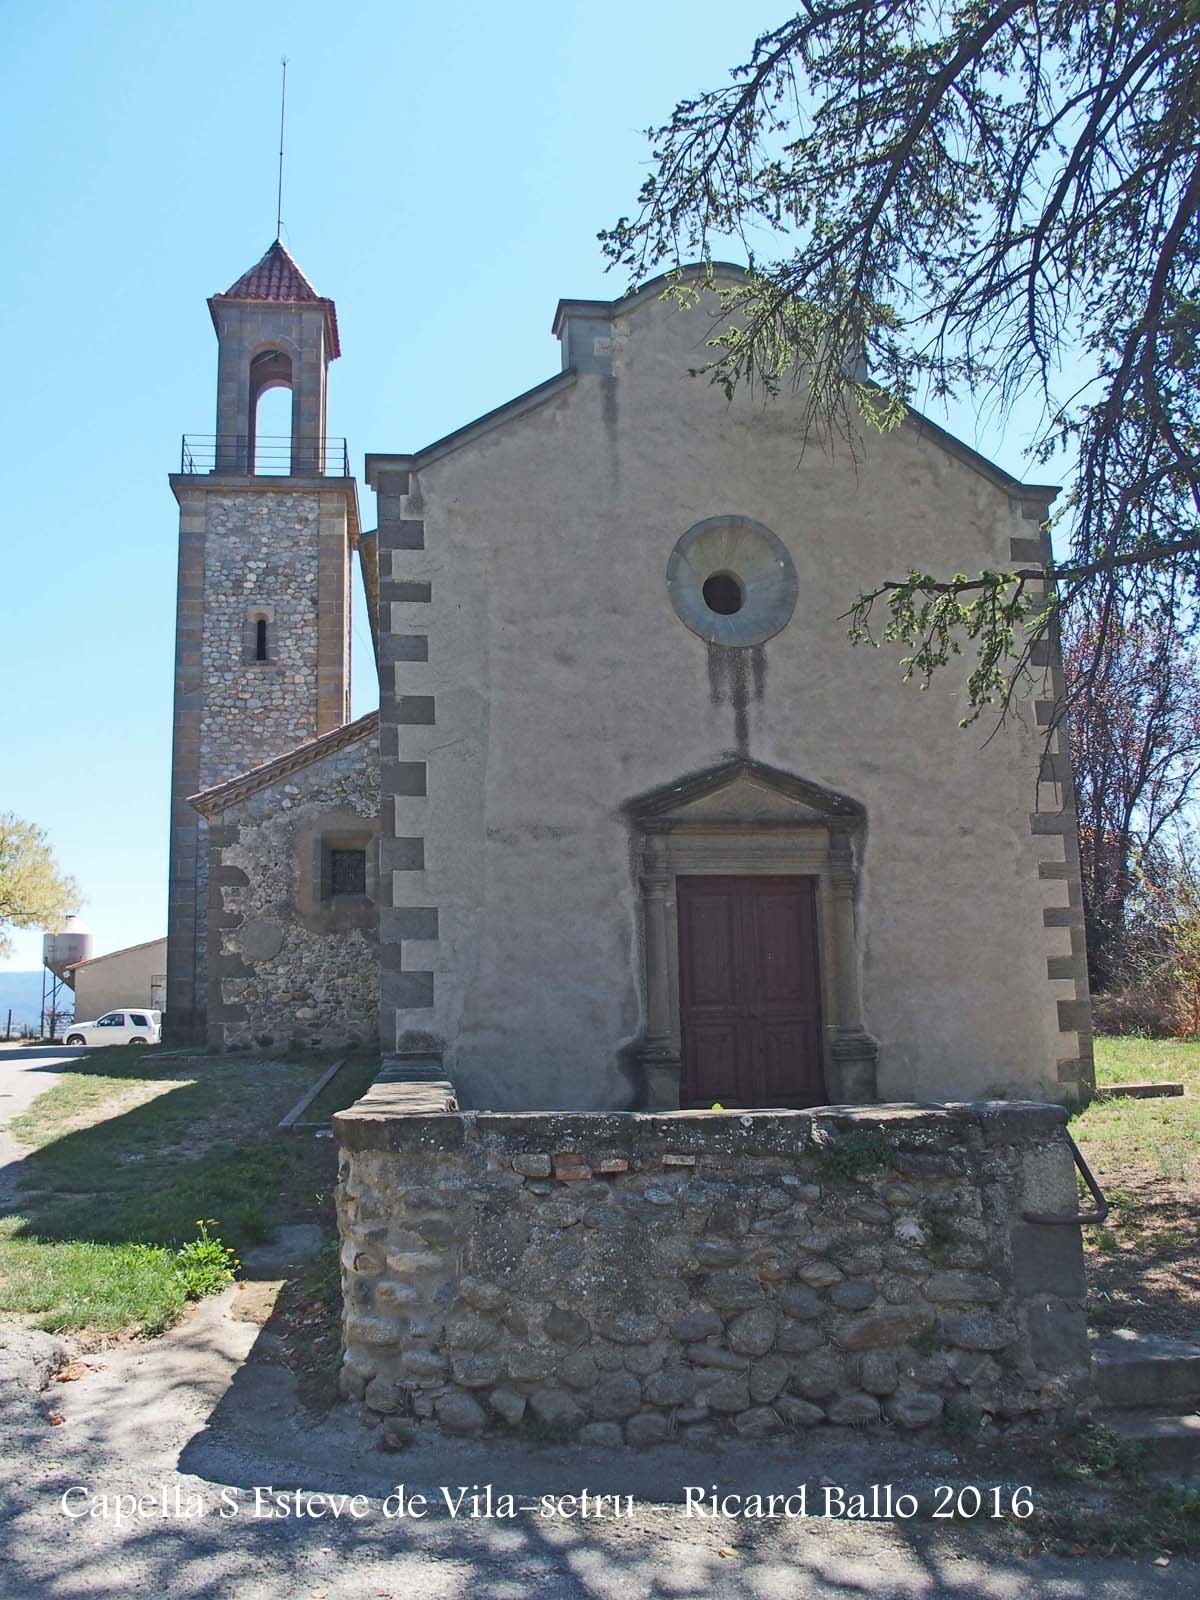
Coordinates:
[242,455]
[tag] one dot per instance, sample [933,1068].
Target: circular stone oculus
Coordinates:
[732,581]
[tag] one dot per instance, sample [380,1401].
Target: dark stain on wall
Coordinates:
[611,419]
[735,675]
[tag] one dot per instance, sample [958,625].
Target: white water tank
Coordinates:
[62,950]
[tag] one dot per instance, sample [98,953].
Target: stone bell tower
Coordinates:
[267,526]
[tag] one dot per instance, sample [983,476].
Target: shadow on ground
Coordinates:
[211,1409]
[56,1052]
[197,1421]
[1143,1268]
[206,1425]
[205,1146]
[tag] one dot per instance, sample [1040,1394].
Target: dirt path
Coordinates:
[193,1423]
[209,1408]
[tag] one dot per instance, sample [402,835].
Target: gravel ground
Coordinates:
[208,1408]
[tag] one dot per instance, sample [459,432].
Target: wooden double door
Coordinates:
[749,992]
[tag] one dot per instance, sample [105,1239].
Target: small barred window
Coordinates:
[347,872]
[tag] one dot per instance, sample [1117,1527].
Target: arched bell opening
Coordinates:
[269,447]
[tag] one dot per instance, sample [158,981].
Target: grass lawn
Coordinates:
[108,1288]
[1161,1135]
[346,1086]
[129,1151]
[1146,1061]
[1143,1268]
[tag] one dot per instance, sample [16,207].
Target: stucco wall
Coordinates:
[120,979]
[536,680]
[290,964]
[625,1279]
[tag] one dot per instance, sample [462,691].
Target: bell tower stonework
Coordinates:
[267,527]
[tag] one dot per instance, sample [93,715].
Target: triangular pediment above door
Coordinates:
[742,793]
[745,800]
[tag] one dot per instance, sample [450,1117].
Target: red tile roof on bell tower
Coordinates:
[277,277]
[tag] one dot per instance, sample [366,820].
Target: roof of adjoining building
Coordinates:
[277,277]
[209,802]
[110,955]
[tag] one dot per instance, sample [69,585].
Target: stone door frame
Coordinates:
[732,835]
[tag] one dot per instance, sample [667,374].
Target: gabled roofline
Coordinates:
[651,289]
[108,955]
[1041,494]
[508,412]
[1033,494]
[211,802]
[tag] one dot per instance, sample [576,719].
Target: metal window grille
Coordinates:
[347,872]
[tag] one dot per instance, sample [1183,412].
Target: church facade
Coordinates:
[635,826]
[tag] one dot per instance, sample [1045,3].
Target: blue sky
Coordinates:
[447,170]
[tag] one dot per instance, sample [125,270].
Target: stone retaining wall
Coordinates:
[625,1278]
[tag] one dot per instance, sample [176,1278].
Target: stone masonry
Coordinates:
[262,552]
[290,963]
[249,547]
[255,547]
[631,1278]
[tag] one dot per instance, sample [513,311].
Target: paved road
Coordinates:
[25,1072]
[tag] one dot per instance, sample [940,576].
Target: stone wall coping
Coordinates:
[389,1099]
[400,1116]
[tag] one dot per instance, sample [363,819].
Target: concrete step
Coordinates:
[1171,1441]
[1137,1369]
[1138,1091]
